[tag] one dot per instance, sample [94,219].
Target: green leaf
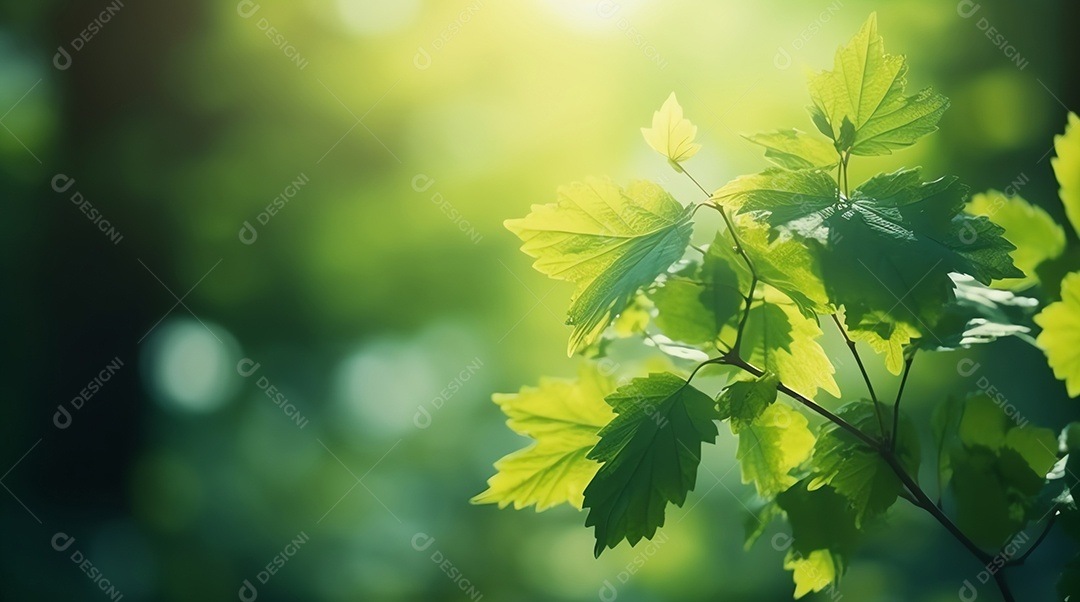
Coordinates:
[979,314]
[820,518]
[860,473]
[886,253]
[742,402]
[1034,233]
[822,523]
[866,88]
[608,241]
[998,470]
[983,424]
[885,336]
[564,417]
[1060,338]
[680,313]
[694,304]
[757,522]
[792,149]
[771,446]
[650,454]
[1067,168]
[785,195]
[945,424]
[780,339]
[671,134]
[786,264]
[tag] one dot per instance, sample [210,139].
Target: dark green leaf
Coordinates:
[649,454]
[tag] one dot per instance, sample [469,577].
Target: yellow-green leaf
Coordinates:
[671,134]
[1060,338]
[860,104]
[607,240]
[885,336]
[793,149]
[811,573]
[780,339]
[1036,236]
[776,442]
[1067,168]
[564,417]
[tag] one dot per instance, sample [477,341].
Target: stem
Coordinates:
[884,448]
[839,178]
[742,253]
[865,375]
[734,360]
[924,502]
[1003,587]
[896,405]
[847,157]
[746,314]
[914,493]
[1046,531]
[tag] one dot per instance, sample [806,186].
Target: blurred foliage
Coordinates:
[385,289]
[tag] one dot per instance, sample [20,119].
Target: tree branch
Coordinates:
[734,360]
[915,493]
[886,447]
[742,253]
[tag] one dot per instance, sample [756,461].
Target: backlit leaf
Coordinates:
[811,573]
[607,240]
[1034,233]
[1060,338]
[564,417]
[1067,168]
[866,88]
[671,134]
[771,446]
[780,339]
[857,472]
[792,149]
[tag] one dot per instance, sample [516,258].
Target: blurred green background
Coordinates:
[311,193]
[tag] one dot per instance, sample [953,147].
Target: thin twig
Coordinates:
[738,362]
[865,375]
[896,405]
[1038,541]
